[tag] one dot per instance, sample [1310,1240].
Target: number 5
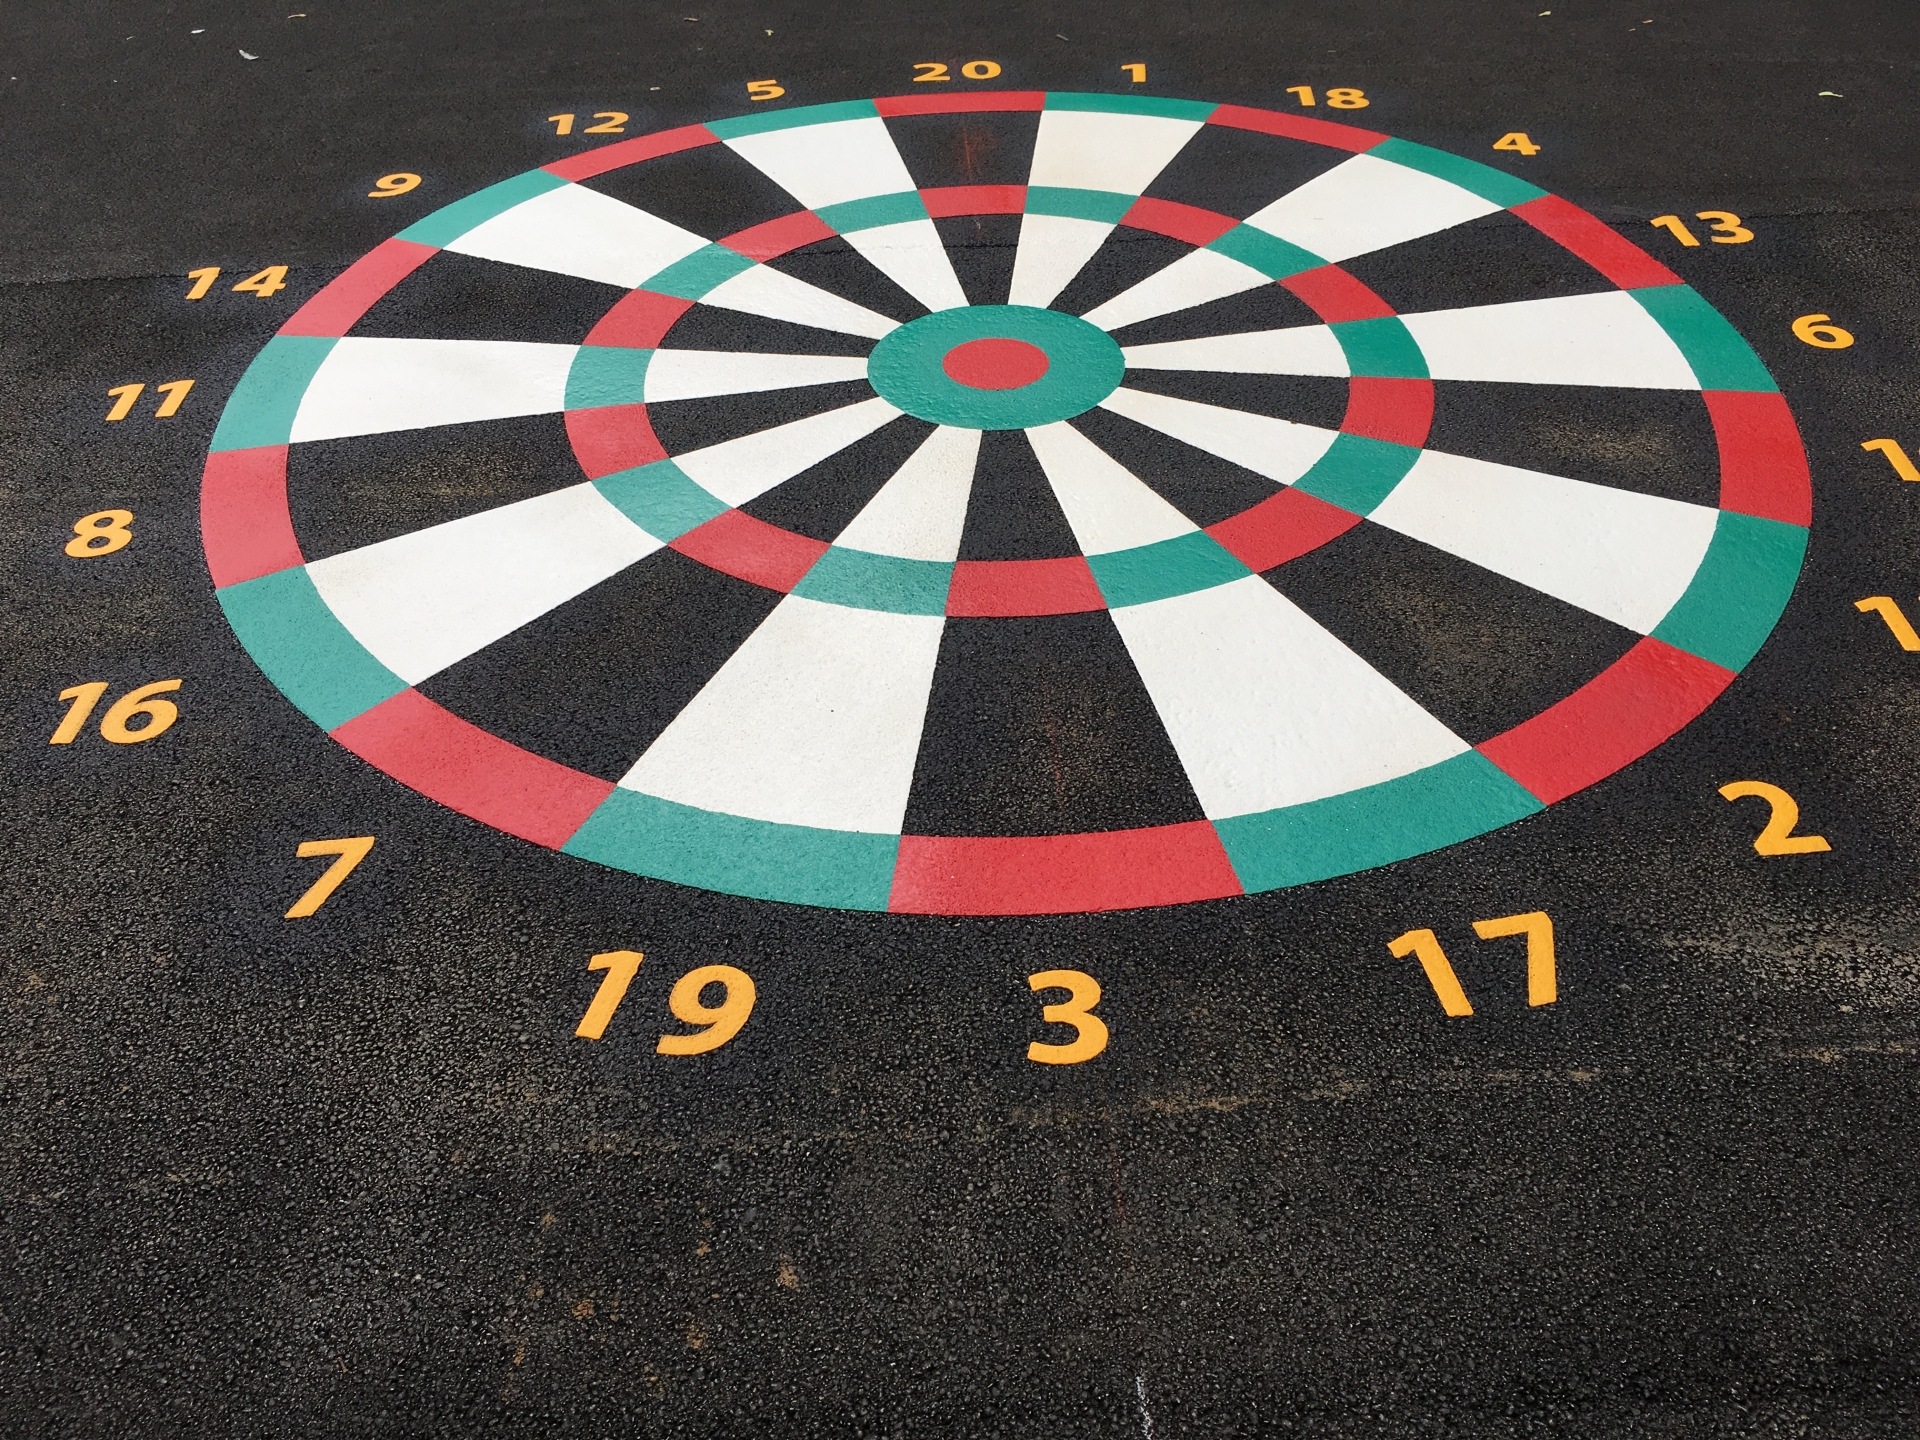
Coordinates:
[765,89]
[1090,1031]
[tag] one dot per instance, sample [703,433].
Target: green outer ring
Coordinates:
[1085,366]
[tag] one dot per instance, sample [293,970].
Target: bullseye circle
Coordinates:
[909,370]
[995,364]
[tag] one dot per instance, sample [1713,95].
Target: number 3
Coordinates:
[1090,1031]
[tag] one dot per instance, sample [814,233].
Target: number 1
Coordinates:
[1677,226]
[84,698]
[176,392]
[1896,619]
[1138,72]
[202,281]
[1896,457]
[621,966]
[1446,985]
[1305,92]
[563,124]
[124,396]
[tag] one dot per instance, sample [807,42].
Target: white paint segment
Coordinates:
[779,296]
[369,386]
[1617,553]
[815,720]
[920,512]
[1296,350]
[421,602]
[1280,450]
[1099,150]
[689,374]
[737,470]
[1604,339]
[1193,279]
[1108,506]
[1265,708]
[1365,204]
[577,231]
[828,164]
[910,254]
[1052,250]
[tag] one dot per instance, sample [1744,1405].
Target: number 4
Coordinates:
[270,281]
[1516,141]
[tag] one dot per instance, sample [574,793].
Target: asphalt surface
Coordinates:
[356,1174]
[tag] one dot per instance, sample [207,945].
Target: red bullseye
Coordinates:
[995,364]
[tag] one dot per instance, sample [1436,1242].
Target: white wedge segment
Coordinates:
[1193,279]
[1108,506]
[1617,553]
[779,296]
[1265,708]
[1364,204]
[1052,250]
[1098,150]
[828,164]
[689,374]
[910,254]
[369,386]
[815,720]
[920,513]
[1280,450]
[1605,339]
[738,470]
[1297,350]
[577,231]
[421,602]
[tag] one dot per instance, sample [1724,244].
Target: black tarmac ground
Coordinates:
[356,1176]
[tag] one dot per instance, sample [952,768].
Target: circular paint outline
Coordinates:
[1732,604]
[906,367]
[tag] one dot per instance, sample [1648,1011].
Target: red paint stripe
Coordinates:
[1060,874]
[1601,246]
[631,152]
[1183,222]
[952,103]
[1382,408]
[1280,528]
[613,437]
[335,309]
[1763,465]
[974,200]
[1333,295]
[640,320]
[244,522]
[1024,587]
[777,237]
[1296,127]
[434,751]
[750,549]
[1639,701]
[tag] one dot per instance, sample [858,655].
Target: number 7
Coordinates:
[351,852]
[1542,987]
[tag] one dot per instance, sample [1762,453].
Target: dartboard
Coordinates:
[1196,501]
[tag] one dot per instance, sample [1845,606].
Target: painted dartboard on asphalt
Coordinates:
[760,511]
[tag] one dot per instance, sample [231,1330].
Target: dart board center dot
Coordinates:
[995,363]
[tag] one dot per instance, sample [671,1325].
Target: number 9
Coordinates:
[723,1021]
[388,186]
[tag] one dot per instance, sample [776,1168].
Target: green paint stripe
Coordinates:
[660,498]
[1102,205]
[1269,254]
[761,121]
[261,409]
[699,272]
[1178,566]
[450,222]
[606,375]
[1719,357]
[305,651]
[1483,180]
[1130,104]
[863,580]
[1431,808]
[874,211]
[1739,590]
[796,863]
[1380,347]
[1357,472]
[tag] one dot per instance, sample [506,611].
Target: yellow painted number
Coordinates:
[931,71]
[84,698]
[612,122]
[351,852]
[1138,73]
[1348,99]
[562,124]
[176,393]
[268,282]
[1305,92]
[1896,457]
[1517,142]
[123,398]
[723,1021]
[100,533]
[1542,986]
[1815,330]
[160,714]
[1425,945]
[388,186]
[765,89]
[1896,619]
[1677,226]
[980,69]
[1727,229]
[1089,1030]
[621,966]
[202,281]
[1778,838]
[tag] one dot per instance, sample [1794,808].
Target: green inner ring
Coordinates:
[1084,367]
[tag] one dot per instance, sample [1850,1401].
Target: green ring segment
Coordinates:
[1084,366]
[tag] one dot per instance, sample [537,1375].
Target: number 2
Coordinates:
[933,69]
[1089,1030]
[613,122]
[1778,838]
